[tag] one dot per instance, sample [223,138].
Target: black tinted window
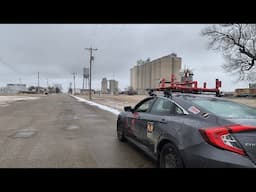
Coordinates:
[143,107]
[226,109]
[165,107]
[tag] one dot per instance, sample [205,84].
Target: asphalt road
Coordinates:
[56,131]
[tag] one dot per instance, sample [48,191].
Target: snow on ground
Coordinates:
[111,102]
[103,107]
[6,100]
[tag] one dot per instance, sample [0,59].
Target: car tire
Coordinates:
[120,134]
[170,157]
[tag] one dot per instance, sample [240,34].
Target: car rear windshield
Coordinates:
[226,109]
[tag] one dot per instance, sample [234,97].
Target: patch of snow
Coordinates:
[6,100]
[103,107]
[16,98]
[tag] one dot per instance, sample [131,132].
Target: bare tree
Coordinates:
[237,43]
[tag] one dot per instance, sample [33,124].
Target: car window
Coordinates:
[165,107]
[226,109]
[178,110]
[144,106]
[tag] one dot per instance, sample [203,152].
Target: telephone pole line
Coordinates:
[74,77]
[90,77]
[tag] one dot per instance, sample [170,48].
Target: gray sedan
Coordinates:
[191,130]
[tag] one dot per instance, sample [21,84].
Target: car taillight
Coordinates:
[221,137]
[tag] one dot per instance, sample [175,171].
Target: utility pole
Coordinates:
[90,77]
[38,82]
[83,82]
[74,77]
[70,88]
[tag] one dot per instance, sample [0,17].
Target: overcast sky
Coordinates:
[57,50]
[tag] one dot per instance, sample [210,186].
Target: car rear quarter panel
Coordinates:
[185,132]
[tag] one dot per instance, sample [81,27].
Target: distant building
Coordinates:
[245,92]
[229,94]
[147,74]
[109,86]
[82,91]
[13,88]
[252,85]
[41,90]
[113,86]
[251,91]
[104,85]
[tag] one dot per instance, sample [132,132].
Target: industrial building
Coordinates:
[13,88]
[113,86]
[243,92]
[252,85]
[147,74]
[104,86]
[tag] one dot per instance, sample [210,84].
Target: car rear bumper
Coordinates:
[207,156]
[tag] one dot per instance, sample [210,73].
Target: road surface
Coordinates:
[56,131]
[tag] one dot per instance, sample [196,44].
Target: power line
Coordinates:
[9,66]
[109,42]
[94,39]
[90,75]
[93,34]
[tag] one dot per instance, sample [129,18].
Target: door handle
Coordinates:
[163,121]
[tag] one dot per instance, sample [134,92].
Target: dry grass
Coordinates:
[119,101]
[23,95]
[251,102]
[5,100]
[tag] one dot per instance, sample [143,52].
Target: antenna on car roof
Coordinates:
[151,92]
[168,93]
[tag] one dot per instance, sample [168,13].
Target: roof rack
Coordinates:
[185,87]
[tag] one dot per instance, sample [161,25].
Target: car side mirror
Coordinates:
[128,109]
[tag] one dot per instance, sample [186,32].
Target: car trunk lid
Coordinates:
[236,138]
[247,139]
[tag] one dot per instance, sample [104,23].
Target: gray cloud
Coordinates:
[57,50]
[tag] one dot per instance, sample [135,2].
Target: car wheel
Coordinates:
[170,157]
[120,134]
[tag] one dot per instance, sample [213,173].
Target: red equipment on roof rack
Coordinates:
[187,86]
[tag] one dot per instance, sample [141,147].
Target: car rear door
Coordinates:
[164,116]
